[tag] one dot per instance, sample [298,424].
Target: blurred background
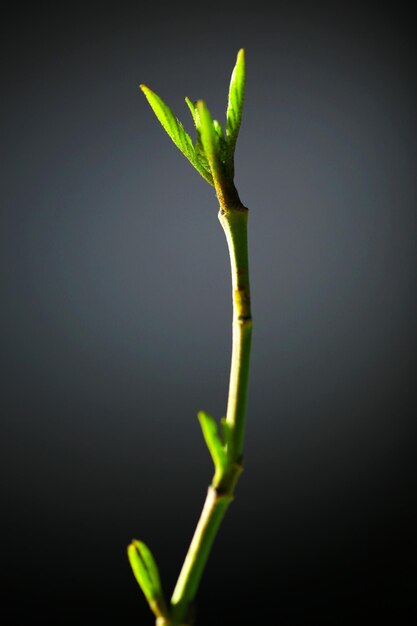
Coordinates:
[116,311]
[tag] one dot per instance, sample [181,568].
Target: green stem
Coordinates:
[211,517]
[234,221]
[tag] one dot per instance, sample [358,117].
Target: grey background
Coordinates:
[116,310]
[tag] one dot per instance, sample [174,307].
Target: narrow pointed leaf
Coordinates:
[235,101]
[227,434]
[206,127]
[218,128]
[209,139]
[146,573]
[149,563]
[192,108]
[214,444]
[170,123]
[222,147]
[175,130]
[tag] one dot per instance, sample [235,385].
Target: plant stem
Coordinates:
[233,217]
[234,222]
[211,517]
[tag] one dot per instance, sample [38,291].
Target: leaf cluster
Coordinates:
[212,152]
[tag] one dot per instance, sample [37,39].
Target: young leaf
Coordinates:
[175,130]
[192,108]
[214,444]
[146,573]
[227,435]
[235,101]
[221,142]
[209,139]
[218,128]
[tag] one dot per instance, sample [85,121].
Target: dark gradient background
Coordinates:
[116,312]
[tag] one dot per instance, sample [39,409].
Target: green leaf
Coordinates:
[227,435]
[213,441]
[218,128]
[175,130]
[209,139]
[235,101]
[206,127]
[192,108]
[199,149]
[146,573]
[221,145]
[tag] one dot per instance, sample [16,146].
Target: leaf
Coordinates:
[171,124]
[206,127]
[235,101]
[218,128]
[199,149]
[192,108]
[175,130]
[221,142]
[146,573]
[213,441]
[209,139]
[227,435]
